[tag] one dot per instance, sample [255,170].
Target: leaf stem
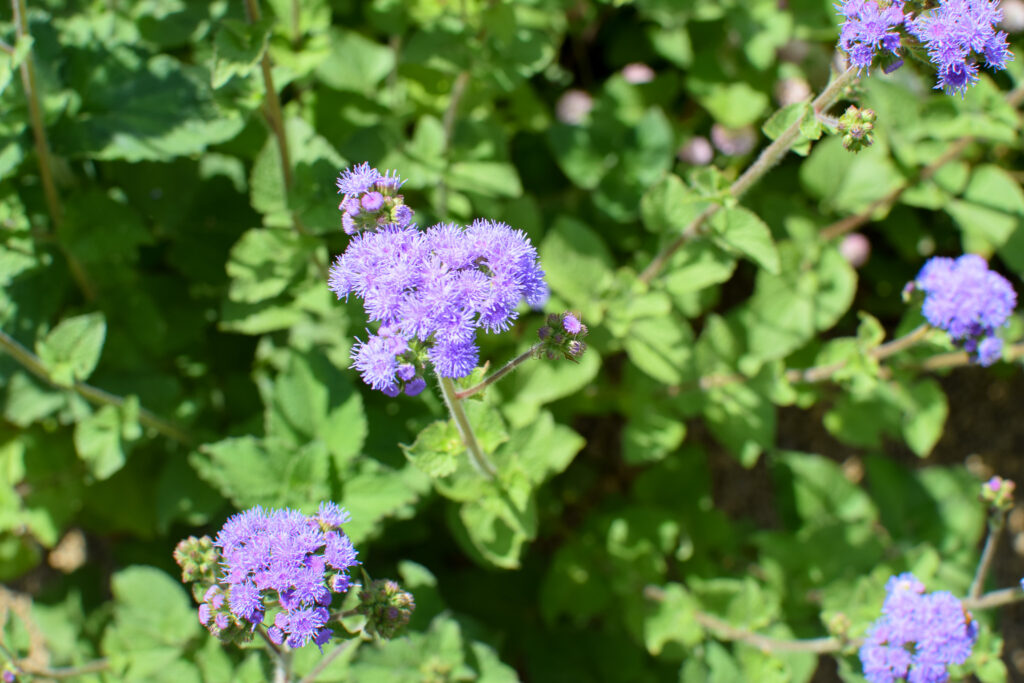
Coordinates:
[42,145]
[94,395]
[498,374]
[448,126]
[996,521]
[769,157]
[477,457]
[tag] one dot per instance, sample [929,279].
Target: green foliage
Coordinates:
[741,450]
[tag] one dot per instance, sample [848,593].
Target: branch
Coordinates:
[850,223]
[995,528]
[498,374]
[42,145]
[726,631]
[769,157]
[94,395]
[458,90]
[477,457]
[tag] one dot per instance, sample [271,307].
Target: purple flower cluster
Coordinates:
[371,200]
[868,27]
[563,337]
[431,290]
[282,557]
[955,34]
[957,31]
[918,635]
[967,300]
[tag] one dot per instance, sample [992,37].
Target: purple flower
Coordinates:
[868,28]
[282,556]
[431,290]
[957,32]
[571,324]
[358,179]
[918,635]
[967,300]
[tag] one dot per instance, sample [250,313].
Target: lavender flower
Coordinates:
[431,290]
[955,34]
[282,557]
[371,201]
[967,300]
[869,26]
[918,635]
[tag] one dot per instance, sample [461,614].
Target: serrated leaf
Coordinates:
[743,231]
[671,618]
[237,49]
[72,349]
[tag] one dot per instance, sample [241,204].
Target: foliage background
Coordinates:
[182,272]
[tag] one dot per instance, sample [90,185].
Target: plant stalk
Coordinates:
[769,157]
[995,528]
[498,374]
[477,457]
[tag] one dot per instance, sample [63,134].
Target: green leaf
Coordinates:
[136,109]
[697,265]
[925,411]
[437,653]
[313,400]
[376,492]
[437,449]
[661,347]
[733,104]
[670,206]
[154,621]
[264,262]
[741,230]
[672,619]
[846,182]
[250,472]
[650,435]
[992,208]
[98,442]
[10,62]
[237,49]
[822,493]
[742,419]
[577,264]
[356,63]
[487,178]
[72,349]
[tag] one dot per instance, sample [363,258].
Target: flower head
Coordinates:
[285,558]
[431,290]
[957,33]
[869,27]
[918,635]
[967,300]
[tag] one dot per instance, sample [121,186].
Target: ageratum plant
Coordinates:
[760,462]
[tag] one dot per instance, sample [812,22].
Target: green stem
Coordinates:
[507,368]
[477,457]
[31,362]
[995,528]
[42,145]
[769,157]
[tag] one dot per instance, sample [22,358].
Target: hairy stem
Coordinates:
[477,457]
[850,223]
[448,124]
[996,521]
[96,396]
[42,145]
[769,157]
[820,373]
[498,374]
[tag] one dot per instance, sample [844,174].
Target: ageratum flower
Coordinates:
[371,200]
[284,559]
[431,290]
[869,27]
[956,34]
[918,635]
[967,300]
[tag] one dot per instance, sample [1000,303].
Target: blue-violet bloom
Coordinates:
[918,635]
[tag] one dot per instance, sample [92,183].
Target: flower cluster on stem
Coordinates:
[969,301]
[918,636]
[429,290]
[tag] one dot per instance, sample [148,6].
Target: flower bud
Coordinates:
[998,493]
[387,607]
